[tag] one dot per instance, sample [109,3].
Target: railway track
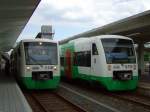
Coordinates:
[130,98]
[87,101]
[49,101]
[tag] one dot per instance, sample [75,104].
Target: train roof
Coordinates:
[100,37]
[79,39]
[113,36]
[39,40]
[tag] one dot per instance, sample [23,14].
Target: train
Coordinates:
[35,63]
[108,60]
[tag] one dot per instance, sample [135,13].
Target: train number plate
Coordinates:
[44,76]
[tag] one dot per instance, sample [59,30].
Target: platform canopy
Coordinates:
[14,15]
[136,27]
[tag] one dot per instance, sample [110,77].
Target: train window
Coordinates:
[88,59]
[44,54]
[82,58]
[94,49]
[75,58]
[62,61]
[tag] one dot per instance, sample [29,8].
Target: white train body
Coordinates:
[35,62]
[108,59]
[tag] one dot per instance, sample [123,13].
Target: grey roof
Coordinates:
[14,15]
[135,26]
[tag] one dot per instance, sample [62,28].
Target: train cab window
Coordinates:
[94,49]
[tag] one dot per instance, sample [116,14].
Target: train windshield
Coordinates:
[118,50]
[40,53]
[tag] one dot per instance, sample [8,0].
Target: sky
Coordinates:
[71,17]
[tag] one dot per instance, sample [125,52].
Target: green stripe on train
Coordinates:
[112,85]
[43,84]
[108,82]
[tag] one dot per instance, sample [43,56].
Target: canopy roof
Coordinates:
[14,15]
[136,27]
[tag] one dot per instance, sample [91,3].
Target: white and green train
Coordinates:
[35,63]
[109,60]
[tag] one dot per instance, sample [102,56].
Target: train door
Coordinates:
[94,60]
[68,67]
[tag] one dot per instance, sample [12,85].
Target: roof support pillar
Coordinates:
[140,54]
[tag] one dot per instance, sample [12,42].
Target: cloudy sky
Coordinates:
[70,17]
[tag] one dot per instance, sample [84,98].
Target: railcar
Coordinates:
[109,60]
[35,63]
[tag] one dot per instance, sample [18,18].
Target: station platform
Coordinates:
[11,97]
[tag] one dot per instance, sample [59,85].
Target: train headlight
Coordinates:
[40,43]
[109,67]
[55,68]
[28,68]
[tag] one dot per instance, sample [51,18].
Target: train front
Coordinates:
[121,64]
[41,65]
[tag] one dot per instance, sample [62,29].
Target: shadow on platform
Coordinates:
[5,78]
